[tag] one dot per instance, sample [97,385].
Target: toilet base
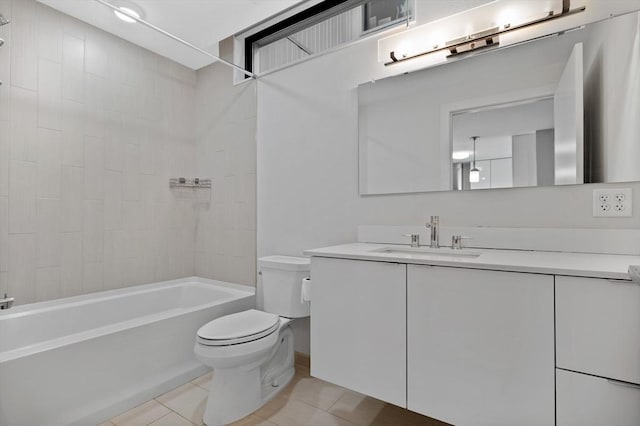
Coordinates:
[237,392]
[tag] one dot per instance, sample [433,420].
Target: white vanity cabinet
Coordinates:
[598,352]
[480,346]
[358,326]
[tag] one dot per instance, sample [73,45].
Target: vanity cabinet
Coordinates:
[585,400]
[598,327]
[477,346]
[598,352]
[358,326]
[480,346]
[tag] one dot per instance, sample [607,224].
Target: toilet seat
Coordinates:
[241,327]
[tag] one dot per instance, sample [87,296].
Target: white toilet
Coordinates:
[251,352]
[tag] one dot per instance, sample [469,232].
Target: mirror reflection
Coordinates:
[561,110]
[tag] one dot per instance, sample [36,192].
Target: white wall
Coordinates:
[612,66]
[91,130]
[308,177]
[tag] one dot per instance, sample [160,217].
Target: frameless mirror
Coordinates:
[560,110]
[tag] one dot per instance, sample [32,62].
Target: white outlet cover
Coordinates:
[613,202]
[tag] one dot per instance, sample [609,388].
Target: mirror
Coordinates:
[556,111]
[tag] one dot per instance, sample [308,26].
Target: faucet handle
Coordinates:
[456,241]
[415,239]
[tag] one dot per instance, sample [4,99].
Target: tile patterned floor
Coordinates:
[306,401]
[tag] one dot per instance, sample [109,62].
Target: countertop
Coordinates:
[540,262]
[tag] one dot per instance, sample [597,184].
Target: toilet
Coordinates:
[251,352]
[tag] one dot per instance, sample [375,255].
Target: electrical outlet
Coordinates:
[614,202]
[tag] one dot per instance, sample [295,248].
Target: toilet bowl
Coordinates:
[251,352]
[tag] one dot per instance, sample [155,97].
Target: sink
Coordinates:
[429,252]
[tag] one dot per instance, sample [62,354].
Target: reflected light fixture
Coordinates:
[474,174]
[126,14]
[460,155]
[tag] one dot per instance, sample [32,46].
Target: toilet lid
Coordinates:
[238,328]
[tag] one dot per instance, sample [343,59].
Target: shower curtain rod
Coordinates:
[176,38]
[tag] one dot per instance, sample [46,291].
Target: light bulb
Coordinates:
[474,175]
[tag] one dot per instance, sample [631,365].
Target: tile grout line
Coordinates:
[171,411]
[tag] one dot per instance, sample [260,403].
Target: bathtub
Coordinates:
[81,360]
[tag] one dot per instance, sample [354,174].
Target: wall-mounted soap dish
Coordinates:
[195,183]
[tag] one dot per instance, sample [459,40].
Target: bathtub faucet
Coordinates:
[6,302]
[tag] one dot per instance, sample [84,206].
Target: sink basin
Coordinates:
[429,252]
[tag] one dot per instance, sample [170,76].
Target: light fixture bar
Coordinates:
[489,39]
[178,39]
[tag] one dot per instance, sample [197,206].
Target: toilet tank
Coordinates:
[282,285]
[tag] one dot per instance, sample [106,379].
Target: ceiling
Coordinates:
[200,22]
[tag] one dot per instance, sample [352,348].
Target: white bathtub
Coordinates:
[81,360]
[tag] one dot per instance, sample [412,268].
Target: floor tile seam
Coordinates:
[172,412]
[327,412]
[293,396]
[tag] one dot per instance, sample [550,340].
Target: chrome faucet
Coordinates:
[434,225]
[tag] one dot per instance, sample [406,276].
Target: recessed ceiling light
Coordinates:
[127,15]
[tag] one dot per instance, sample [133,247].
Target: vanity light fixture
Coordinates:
[474,173]
[485,39]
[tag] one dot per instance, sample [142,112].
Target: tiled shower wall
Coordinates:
[226,152]
[91,130]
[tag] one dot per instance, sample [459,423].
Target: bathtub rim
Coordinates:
[239,291]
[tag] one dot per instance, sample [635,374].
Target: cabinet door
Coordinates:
[480,346]
[598,327]
[358,326]
[593,401]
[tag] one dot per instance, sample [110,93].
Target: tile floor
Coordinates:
[306,401]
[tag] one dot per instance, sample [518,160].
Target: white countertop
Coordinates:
[539,262]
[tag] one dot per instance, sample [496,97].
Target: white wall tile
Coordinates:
[91,129]
[74,27]
[73,124]
[22,197]
[4,158]
[49,94]
[93,231]
[114,143]
[132,173]
[92,277]
[73,68]
[5,69]
[71,264]
[114,245]
[72,198]
[93,168]
[48,233]
[22,272]
[96,52]
[24,122]
[49,163]
[47,283]
[49,33]
[4,234]
[113,200]
[24,49]
[95,92]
